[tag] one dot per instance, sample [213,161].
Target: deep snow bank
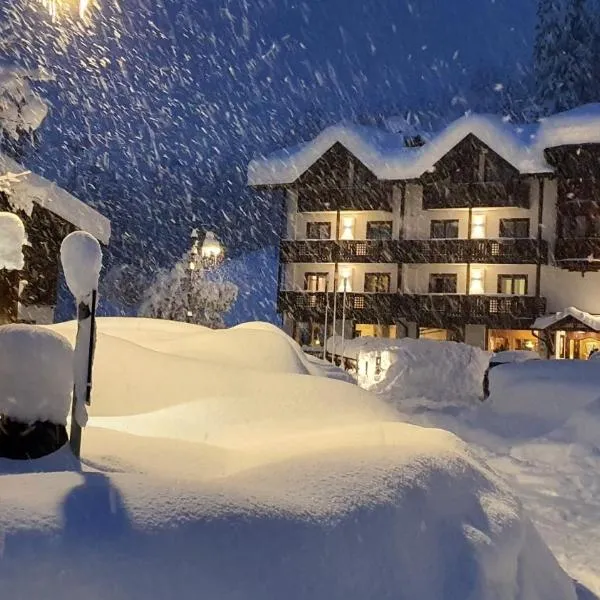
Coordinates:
[250,484]
[537,397]
[431,369]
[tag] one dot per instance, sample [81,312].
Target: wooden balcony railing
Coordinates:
[476,195]
[506,251]
[578,254]
[517,251]
[428,310]
[328,251]
[373,197]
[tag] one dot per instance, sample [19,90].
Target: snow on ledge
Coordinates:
[591,321]
[30,189]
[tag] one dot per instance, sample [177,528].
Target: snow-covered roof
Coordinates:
[578,126]
[591,321]
[385,153]
[30,189]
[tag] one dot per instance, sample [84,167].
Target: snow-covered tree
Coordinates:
[189,292]
[563,55]
[22,110]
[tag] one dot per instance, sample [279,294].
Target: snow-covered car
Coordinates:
[505,357]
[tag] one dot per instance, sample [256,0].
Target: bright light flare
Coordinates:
[54,7]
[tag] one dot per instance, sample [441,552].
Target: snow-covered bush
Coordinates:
[189,293]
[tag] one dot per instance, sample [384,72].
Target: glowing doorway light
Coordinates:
[55,6]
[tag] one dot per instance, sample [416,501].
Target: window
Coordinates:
[315,282]
[379,230]
[514,228]
[318,231]
[512,284]
[377,283]
[443,284]
[447,229]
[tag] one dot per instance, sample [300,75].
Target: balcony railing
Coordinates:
[329,251]
[428,310]
[372,197]
[578,254]
[517,251]
[477,194]
[506,251]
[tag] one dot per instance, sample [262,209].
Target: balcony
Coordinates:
[476,195]
[331,251]
[507,251]
[578,254]
[373,197]
[428,310]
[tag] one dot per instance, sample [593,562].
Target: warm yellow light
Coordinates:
[347,228]
[345,283]
[211,248]
[54,7]
[476,285]
[478,227]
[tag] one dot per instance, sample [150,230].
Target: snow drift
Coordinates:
[410,368]
[36,374]
[253,483]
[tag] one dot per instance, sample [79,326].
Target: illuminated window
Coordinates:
[478,227]
[476,285]
[347,228]
[515,285]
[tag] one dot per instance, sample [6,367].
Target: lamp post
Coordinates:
[81,258]
[211,251]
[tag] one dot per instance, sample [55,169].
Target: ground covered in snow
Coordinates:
[229,465]
[539,430]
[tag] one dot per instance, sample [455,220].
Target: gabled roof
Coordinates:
[386,155]
[31,189]
[589,321]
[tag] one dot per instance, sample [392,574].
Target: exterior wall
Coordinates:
[291,209]
[297,224]
[549,220]
[476,335]
[415,278]
[42,315]
[295,274]
[567,288]
[417,222]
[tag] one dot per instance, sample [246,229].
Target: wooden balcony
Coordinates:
[330,251]
[578,254]
[506,251]
[517,251]
[477,195]
[377,196]
[428,310]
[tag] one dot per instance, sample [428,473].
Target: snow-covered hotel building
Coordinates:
[48,214]
[473,234]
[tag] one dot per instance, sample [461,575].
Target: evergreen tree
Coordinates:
[188,293]
[547,39]
[563,55]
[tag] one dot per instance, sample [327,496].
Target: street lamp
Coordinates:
[211,251]
[54,6]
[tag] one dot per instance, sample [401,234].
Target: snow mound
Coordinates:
[252,484]
[36,374]
[12,239]
[539,396]
[441,371]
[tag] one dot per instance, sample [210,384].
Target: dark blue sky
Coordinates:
[158,105]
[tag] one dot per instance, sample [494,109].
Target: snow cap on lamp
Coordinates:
[81,258]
